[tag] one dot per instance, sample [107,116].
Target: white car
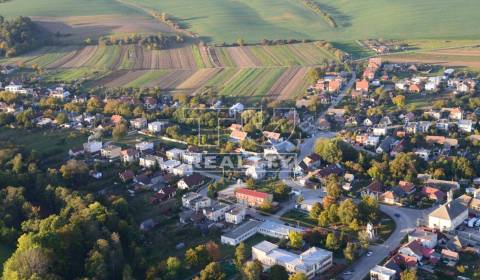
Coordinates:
[369,253]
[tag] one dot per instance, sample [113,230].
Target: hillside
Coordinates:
[253,20]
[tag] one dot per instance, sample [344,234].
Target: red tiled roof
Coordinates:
[253,193]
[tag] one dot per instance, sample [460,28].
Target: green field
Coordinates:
[254,20]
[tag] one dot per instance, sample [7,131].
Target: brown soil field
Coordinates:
[172,80]
[81,27]
[109,78]
[243,57]
[124,78]
[294,84]
[197,80]
[282,82]
[81,57]
[65,59]
[213,57]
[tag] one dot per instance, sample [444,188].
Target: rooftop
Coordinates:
[242,229]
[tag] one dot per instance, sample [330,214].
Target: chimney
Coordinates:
[449,196]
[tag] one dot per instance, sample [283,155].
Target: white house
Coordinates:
[138,123]
[256,172]
[426,238]
[92,146]
[465,125]
[423,153]
[150,161]
[111,151]
[380,131]
[448,216]
[191,157]
[216,212]
[157,126]
[170,165]
[382,273]
[13,88]
[175,154]
[144,146]
[372,141]
[311,262]
[235,215]
[235,109]
[183,170]
[59,93]
[195,201]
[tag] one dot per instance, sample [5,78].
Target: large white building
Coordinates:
[92,146]
[235,215]
[268,228]
[448,216]
[311,262]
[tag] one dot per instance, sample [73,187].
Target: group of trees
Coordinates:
[335,150]
[315,6]
[152,42]
[20,35]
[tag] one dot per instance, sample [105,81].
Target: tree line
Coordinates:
[314,6]
[20,35]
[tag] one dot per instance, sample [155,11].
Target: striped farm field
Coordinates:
[248,71]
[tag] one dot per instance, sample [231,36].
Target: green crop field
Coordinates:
[254,20]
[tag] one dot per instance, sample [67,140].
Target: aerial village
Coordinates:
[382,161]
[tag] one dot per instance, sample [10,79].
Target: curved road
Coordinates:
[405,223]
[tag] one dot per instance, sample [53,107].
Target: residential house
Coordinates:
[382,273]
[157,126]
[126,176]
[372,141]
[190,157]
[450,255]
[144,146]
[374,189]
[313,161]
[465,126]
[150,161]
[380,131]
[92,146]
[323,124]
[423,153]
[235,215]
[386,145]
[129,155]
[252,198]
[455,114]
[195,201]
[433,193]
[407,187]
[216,211]
[111,151]
[428,239]
[191,182]
[236,109]
[415,249]
[138,123]
[182,170]
[415,88]
[175,154]
[362,85]
[237,136]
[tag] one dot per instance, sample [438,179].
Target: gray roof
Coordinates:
[242,229]
[450,210]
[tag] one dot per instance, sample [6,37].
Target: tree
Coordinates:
[404,167]
[173,266]
[277,272]
[331,242]
[191,257]
[315,211]
[408,274]
[281,191]
[349,252]
[252,270]
[119,131]
[30,263]
[298,276]
[347,211]
[296,239]
[333,187]
[313,76]
[250,183]
[202,253]
[17,163]
[363,239]
[61,118]
[368,208]
[212,191]
[323,220]
[74,169]
[399,101]
[329,150]
[214,251]
[240,255]
[212,271]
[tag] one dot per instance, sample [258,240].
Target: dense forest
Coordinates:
[20,35]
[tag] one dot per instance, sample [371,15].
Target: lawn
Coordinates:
[300,217]
[52,145]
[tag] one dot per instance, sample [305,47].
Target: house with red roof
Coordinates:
[407,187]
[415,88]
[415,249]
[252,197]
[116,119]
[362,85]
[238,136]
[433,193]
[405,260]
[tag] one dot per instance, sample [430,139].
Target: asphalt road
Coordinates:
[405,223]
